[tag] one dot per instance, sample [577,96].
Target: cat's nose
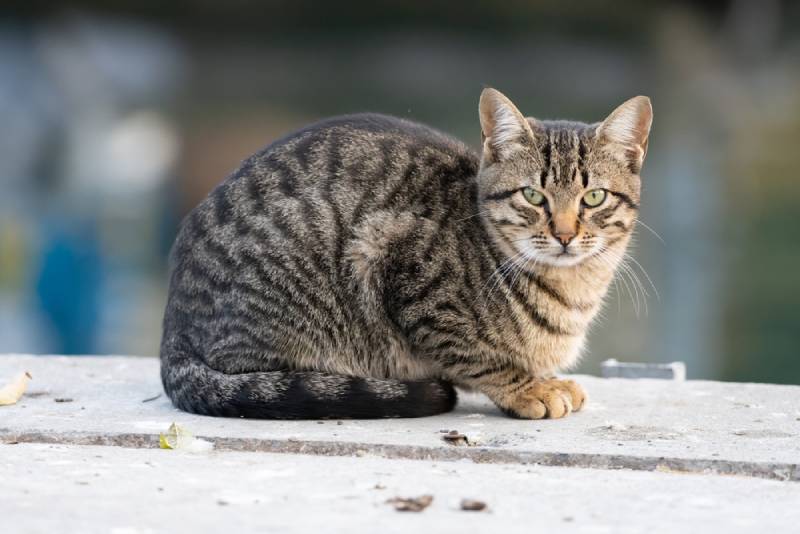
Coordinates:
[564,226]
[565,237]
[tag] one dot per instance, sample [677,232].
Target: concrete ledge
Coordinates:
[697,427]
[70,489]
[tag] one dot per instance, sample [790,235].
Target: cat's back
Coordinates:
[364,131]
[304,196]
[359,150]
[313,186]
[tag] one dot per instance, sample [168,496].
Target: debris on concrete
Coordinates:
[63,399]
[179,438]
[13,391]
[454,437]
[301,493]
[669,371]
[472,505]
[151,399]
[411,504]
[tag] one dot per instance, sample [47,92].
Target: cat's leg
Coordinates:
[520,395]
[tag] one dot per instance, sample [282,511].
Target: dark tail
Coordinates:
[195,387]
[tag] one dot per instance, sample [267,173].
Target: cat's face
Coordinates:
[558,193]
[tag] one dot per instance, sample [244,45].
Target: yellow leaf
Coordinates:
[174,437]
[177,437]
[11,392]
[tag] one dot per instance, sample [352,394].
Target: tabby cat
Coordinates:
[365,265]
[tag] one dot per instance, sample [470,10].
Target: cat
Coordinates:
[365,265]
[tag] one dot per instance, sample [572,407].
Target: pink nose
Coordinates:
[565,237]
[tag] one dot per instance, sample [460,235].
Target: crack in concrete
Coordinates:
[766,470]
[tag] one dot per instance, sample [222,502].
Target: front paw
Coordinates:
[552,399]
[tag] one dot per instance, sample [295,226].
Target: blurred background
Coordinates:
[117,117]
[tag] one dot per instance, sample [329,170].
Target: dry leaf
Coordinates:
[12,391]
[411,504]
[454,437]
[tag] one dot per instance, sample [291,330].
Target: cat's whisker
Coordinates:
[638,282]
[520,269]
[496,277]
[641,294]
[627,267]
[639,221]
[482,212]
[650,281]
[623,275]
[598,254]
[635,297]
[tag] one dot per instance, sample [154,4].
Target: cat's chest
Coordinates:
[544,354]
[552,321]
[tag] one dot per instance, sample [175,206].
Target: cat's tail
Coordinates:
[195,387]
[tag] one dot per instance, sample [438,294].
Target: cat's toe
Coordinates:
[576,393]
[557,401]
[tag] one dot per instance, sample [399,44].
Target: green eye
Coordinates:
[595,197]
[533,196]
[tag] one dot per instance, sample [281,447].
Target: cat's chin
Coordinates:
[564,259]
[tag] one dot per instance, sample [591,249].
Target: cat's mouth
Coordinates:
[555,256]
[562,257]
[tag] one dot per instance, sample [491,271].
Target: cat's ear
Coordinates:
[503,128]
[627,129]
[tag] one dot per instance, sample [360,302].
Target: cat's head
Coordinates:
[561,192]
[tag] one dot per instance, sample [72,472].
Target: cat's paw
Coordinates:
[552,399]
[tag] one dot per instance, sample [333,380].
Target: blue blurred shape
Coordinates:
[68,286]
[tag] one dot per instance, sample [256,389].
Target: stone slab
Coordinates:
[117,490]
[693,426]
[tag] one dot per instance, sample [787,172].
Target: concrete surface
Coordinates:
[115,490]
[661,447]
[705,427]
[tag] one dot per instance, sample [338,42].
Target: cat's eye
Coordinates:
[533,196]
[594,198]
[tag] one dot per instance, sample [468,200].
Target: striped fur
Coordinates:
[363,266]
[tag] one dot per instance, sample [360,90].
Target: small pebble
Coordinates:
[472,505]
